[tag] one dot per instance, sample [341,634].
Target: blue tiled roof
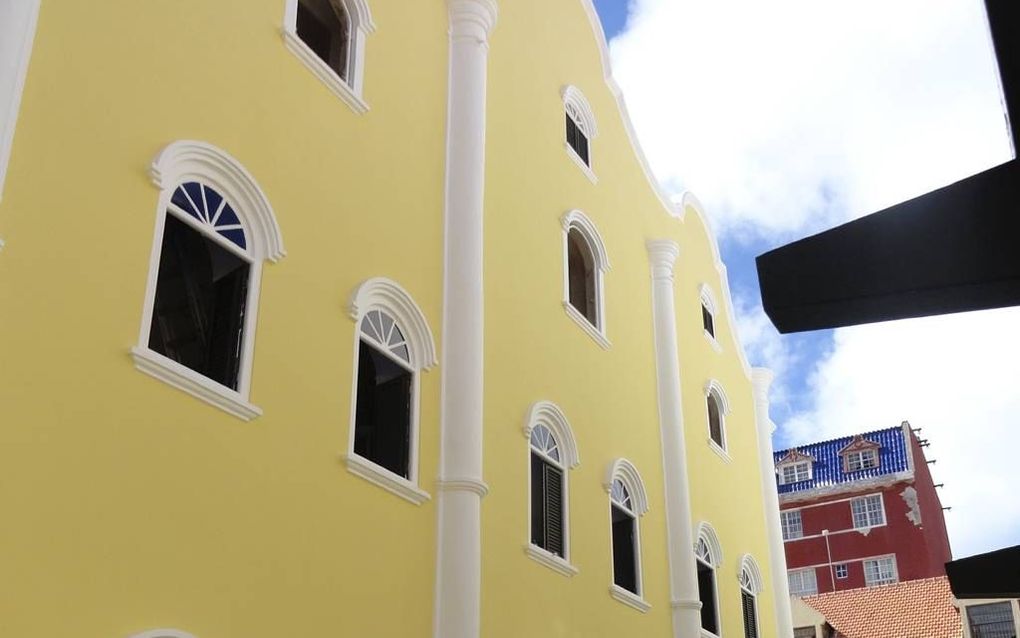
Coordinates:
[827,468]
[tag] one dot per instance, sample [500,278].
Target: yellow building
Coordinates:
[360,318]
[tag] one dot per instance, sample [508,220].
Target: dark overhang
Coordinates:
[952,250]
[992,575]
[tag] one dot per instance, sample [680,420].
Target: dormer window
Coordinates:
[795,472]
[863,460]
[860,454]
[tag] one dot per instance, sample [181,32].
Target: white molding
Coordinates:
[582,321]
[572,154]
[191,160]
[573,96]
[624,470]
[385,479]
[163,633]
[712,341]
[473,486]
[550,415]
[629,598]
[848,487]
[350,91]
[720,452]
[707,532]
[576,218]
[748,563]
[195,384]
[550,560]
[380,293]
[714,389]
[11,29]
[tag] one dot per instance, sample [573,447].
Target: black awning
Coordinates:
[992,575]
[952,250]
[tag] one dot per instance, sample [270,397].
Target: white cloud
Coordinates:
[791,116]
[796,114]
[958,378]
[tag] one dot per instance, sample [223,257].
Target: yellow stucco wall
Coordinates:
[130,505]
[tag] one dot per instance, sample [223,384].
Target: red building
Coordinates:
[860,511]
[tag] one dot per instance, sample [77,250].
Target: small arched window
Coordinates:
[580,129]
[214,228]
[708,312]
[708,555]
[552,451]
[628,502]
[716,408]
[585,263]
[393,345]
[329,37]
[750,587]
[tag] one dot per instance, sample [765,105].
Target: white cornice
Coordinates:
[886,480]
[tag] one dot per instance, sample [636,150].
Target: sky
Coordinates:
[788,117]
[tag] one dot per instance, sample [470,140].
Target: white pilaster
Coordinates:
[761,379]
[683,580]
[458,563]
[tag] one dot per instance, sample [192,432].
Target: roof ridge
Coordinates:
[903,583]
[834,439]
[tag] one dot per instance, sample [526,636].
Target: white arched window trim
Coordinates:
[549,415]
[715,390]
[577,106]
[576,219]
[623,470]
[163,633]
[707,298]
[705,534]
[386,295]
[350,90]
[185,161]
[749,577]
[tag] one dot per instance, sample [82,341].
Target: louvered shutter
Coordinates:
[750,615]
[553,480]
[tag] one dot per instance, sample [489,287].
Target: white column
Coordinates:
[683,580]
[761,378]
[458,560]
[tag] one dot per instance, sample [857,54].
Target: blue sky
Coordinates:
[789,117]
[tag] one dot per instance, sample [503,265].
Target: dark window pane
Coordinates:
[714,421]
[624,550]
[582,147]
[708,320]
[546,505]
[581,277]
[706,593]
[750,615]
[994,620]
[325,28]
[198,311]
[577,139]
[382,425]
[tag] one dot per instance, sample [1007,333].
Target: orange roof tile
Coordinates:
[911,609]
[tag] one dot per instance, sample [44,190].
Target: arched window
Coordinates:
[329,37]
[580,128]
[393,345]
[716,407]
[750,587]
[552,451]
[214,228]
[708,555]
[708,312]
[628,502]
[585,263]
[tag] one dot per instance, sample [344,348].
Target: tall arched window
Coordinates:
[580,129]
[329,37]
[214,228]
[716,409]
[585,263]
[750,587]
[708,555]
[628,502]
[552,452]
[393,345]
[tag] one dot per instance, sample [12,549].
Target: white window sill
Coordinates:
[385,479]
[582,321]
[550,560]
[721,452]
[712,341]
[708,634]
[580,162]
[867,528]
[186,379]
[629,598]
[322,71]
